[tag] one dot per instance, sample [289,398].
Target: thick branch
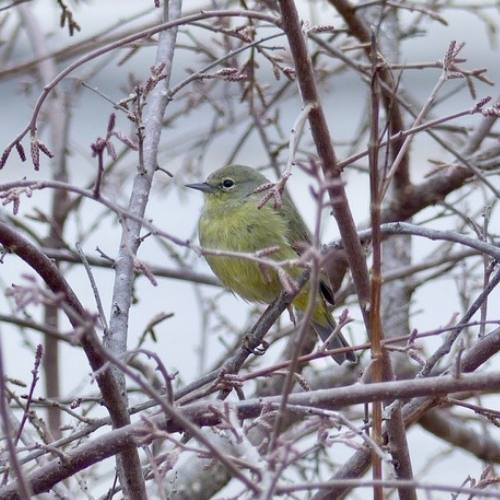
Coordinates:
[416,409]
[323,141]
[78,317]
[432,234]
[130,240]
[458,433]
[200,413]
[116,338]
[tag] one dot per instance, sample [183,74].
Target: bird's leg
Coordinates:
[257,351]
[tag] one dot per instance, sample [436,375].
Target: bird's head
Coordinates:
[232,183]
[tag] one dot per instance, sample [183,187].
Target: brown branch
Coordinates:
[116,440]
[481,351]
[22,483]
[446,346]
[59,119]
[359,30]
[394,228]
[383,368]
[414,410]
[25,323]
[376,333]
[322,139]
[78,317]
[32,125]
[173,414]
[418,197]
[456,432]
[158,271]
[343,484]
[15,3]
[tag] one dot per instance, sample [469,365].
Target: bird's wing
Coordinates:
[300,234]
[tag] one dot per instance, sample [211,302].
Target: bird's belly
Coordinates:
[247,230]
[248,279]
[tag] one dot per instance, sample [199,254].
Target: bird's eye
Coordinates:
[227,183]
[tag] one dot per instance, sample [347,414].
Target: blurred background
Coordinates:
[206,320]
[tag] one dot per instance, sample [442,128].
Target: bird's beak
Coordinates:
[202,186]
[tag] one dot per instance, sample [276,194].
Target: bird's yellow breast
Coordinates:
[245,228]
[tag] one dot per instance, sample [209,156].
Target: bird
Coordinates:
[234,219]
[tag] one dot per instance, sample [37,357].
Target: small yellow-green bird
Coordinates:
[232,220]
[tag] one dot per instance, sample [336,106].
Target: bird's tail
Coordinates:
[335,342]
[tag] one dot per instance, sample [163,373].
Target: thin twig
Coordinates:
[93,284]
[22,483]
